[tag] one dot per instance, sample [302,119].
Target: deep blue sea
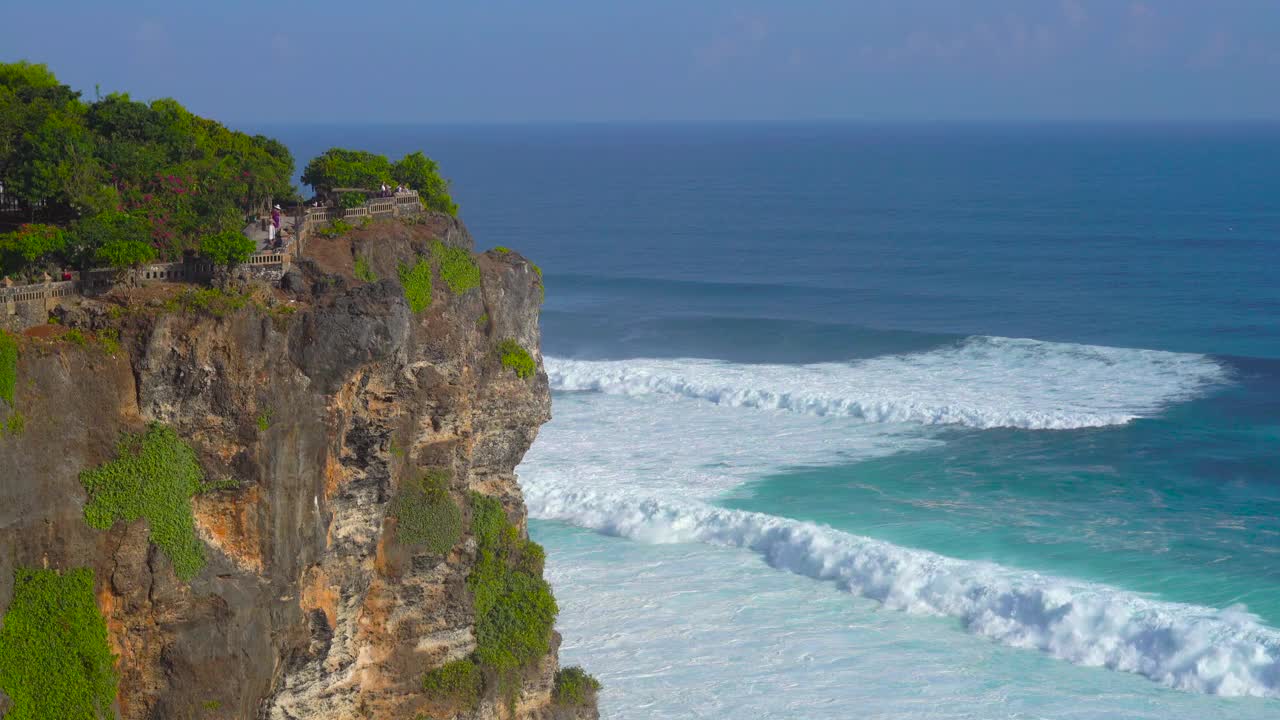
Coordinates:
[929,422]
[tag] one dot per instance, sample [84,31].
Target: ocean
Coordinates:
[899,422]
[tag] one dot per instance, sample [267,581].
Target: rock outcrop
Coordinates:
[308,408]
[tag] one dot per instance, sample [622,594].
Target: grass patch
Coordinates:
[337,228]
[209,301]
[426,514]
[514,607]
[502,249]
[458,269]
[574,686]
[363,271]
[264,421]
[109,338]
[16,424]
[483,320]
[75,337]
[517,358]
[55,662]
[416,281]
[460,681]
[8,366]
[153,476]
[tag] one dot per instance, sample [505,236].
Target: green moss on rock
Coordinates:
[8,366]
[517,358]
[514,608]
[574,687]
[416,280]
[363,271]
[427,515]
[153,476]
[458,269]
[55,663]
[460,682]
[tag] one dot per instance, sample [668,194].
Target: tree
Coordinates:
[125,253]
[29,245]
[423,174]
[113,238]
[228,248]
[341,168]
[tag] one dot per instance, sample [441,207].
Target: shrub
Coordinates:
[337,228]
[264,421]
[502,249]
[8,366]
[517,358]
[574,686]
[153,476]
[110,340]
[55,662]
[351,200]
[339,167]
[16,424]
[125,253]
[215,302]
[228,248]
[75,337]
[29,245]
[421,173]
[363,271]
[427,515]
[416,281]
[515,610]
[457,268]
[460,681]
[115,238]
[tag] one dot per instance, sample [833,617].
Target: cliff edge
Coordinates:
[291,503]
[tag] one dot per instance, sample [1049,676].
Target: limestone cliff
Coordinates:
[310,409]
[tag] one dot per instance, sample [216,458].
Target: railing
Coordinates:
[406,203]
[43,291]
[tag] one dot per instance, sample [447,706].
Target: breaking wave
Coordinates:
[981,382]
[1223,652]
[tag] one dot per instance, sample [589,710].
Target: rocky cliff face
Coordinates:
[309,409]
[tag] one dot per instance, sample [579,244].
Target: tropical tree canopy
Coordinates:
[180,175]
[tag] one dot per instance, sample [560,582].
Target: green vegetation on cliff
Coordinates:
[153,476]
[362,170]
[426,514]
[55,663]
[517,358]
[457,268]
[514,607]
[363,271]
[574,686]
[459,681]
[124,178]
[229,247]
[416,280]
[8,367]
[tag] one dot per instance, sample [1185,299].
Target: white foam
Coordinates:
[1224,652]
[667,444]
[982,382]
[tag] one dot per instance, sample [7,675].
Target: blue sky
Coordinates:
[669,60]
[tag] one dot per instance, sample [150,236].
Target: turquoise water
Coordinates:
[900,422]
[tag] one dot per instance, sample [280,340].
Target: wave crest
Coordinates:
[981,382]
[1223,652]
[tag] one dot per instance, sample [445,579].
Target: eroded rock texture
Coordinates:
[307,608]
